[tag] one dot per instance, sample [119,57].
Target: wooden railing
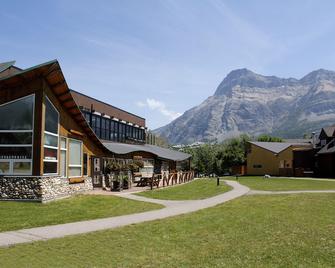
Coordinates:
[167,179]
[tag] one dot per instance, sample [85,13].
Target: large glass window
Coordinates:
[16,136]
[87,117]
[133,132]
[137,133]
[21,114]
[105,128]
[102,128]
[50,160]
[51,117]
[123,132]
[109,129]
[75,158]
[112,130]
[96,124]
[127,131]
[116,135]
[4,167]
[142,137]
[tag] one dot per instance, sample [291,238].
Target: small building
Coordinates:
[51,148]
[273,158]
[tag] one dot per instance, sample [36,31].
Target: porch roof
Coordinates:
[122,148]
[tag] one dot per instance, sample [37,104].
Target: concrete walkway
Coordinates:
[259,192]
[173,208]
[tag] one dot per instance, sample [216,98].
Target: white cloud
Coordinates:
[157,105]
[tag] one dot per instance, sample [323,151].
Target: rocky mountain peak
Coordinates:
[260,105]
[246,78]
[318,75]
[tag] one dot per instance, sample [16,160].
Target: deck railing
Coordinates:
[166,179]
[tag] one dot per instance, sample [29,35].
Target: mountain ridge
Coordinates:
[247,102]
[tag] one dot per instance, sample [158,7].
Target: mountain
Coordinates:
[246,102]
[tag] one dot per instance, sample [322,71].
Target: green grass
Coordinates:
[19,215]
[198,189]
[252,231]
[283,184]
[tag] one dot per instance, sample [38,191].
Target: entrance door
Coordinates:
[96,171]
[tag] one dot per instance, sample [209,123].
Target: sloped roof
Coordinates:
[298,140]
[122,148]
[6,65]
[277,147]
[329,148]
[52,73]
[329,131]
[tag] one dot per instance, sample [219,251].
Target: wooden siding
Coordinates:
[269,162]
[10,71]
[40,88]
[69,129]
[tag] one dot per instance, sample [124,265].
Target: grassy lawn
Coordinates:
[283,184]
[252,231]
[19,215]
[198,189]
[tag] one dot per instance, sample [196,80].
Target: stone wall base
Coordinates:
[42,189]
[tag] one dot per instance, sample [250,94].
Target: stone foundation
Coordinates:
[41,189]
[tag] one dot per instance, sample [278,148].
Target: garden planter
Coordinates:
[125,184]
[116,186]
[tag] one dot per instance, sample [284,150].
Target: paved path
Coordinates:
[173,208]
[254,192]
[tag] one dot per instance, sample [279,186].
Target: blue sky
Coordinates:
[158,58]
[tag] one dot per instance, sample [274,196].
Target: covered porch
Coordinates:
[133,165]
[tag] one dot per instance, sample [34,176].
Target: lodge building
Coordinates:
[300,158]
[276,158]
[55,142]
[111,123]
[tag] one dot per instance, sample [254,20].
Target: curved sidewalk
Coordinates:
[260,192]
[173,208]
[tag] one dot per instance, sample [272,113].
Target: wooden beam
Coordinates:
[67,100]
[58,84]
[62,94]
[54,67]
[75,132]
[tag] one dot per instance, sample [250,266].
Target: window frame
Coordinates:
[81,159]
[12,160]
[61,149]
[48,146]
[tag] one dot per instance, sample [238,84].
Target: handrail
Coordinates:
[172,177]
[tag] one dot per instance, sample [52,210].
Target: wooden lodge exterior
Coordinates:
[48,148]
